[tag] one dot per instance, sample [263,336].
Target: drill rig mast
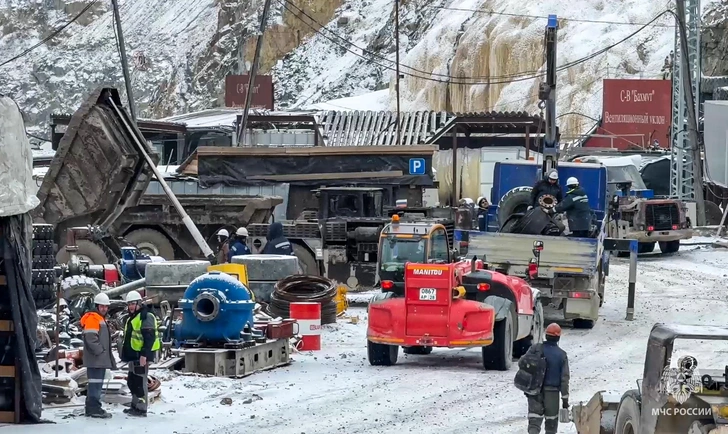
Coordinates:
[547,95]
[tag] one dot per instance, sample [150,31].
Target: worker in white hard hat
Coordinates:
[141,342]
[223,242]
[97,357]
[239,245]
[547,186]
[577,209]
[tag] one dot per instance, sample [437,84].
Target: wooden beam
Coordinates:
[326,176]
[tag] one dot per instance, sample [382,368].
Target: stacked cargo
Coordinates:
[44,259]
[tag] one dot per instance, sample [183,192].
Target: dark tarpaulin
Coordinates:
[656,175]
[15,252]
[235,170]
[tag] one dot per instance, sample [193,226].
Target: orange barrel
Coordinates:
[308,316]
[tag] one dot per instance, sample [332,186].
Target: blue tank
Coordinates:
[216,307]
[134,263]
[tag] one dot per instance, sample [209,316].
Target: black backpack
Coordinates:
[531,371]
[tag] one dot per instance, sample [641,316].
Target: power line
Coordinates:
[51,35]
[516,77]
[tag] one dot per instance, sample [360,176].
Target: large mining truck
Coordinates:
[98,179]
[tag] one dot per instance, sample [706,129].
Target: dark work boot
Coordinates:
[98,414]
[136,412]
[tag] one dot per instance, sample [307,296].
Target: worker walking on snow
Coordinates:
[543,375]
[276,243]
[577,209]
[141,342]
[97,357]
[239,244]
[223,237]
[549,185]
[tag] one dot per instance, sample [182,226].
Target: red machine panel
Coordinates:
[428,294]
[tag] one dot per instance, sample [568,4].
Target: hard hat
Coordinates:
[572,181]
[480,199]
[102,299]
[553,330]
[133,296]
[223,233]
[241,232]
[553,174]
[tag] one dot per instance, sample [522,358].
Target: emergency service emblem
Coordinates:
[681,381]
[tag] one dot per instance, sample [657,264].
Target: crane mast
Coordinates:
[547,95]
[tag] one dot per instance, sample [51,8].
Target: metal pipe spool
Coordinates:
[206,307]
[547,201]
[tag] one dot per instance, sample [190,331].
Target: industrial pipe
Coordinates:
[189,224]
[123,289]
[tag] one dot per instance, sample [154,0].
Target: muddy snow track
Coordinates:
[336,391]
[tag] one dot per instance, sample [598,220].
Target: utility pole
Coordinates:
[396,83]
[253,72]
[692,123]
[124,63]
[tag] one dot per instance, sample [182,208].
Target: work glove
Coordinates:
[565,402]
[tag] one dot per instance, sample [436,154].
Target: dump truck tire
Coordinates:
[72,287]
[382,354]
[306,261]
[151,242]
[43,231]
[423,351]
[498,356]
[516,200]
[628,414]
[521,346]
[670,247]
[268,267]
[174,273]
[95,253]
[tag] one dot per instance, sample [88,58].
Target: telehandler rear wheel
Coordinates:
[382,354]
[498,356]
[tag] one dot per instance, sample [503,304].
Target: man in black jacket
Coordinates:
[577,209]
[548,185]
[555,382]
[141,341]
[276,243]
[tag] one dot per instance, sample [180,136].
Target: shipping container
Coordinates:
[635,114]
[236,90]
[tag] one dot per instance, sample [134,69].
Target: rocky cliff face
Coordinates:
[459,55]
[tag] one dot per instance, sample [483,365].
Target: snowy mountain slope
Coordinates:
[181,50]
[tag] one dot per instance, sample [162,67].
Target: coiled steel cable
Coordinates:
[301,289]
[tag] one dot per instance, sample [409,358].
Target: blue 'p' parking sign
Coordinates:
[417,166]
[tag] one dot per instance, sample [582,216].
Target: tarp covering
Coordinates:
[17,187]
[15,253]
[238,170]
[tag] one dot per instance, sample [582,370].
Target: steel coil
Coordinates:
[302,288]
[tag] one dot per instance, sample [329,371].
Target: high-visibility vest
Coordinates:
[137,340]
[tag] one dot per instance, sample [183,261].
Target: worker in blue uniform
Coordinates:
[238,246]
[277,243]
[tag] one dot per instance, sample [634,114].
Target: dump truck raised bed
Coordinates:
[99,178]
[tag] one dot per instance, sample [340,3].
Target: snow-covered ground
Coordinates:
[337,391]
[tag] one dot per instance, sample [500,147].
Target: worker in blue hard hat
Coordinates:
[547,186]
[141,342]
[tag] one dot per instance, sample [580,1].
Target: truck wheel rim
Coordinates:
[147,248]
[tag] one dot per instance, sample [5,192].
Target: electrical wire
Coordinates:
[516,77]
[301,288]
[51,35]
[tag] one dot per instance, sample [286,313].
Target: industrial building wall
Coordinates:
[716,141]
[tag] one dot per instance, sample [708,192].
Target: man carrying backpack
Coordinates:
[543,375]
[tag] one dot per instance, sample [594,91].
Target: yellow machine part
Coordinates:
[236,270]
[341,302]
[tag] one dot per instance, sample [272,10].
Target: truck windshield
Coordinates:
[397,251]
[626,173]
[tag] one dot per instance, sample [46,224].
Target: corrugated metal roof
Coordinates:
[368,128]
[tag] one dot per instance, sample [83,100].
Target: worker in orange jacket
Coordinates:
[97,356]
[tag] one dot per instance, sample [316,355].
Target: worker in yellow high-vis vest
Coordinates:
[141,342]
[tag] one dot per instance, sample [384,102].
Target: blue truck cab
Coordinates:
[571,270]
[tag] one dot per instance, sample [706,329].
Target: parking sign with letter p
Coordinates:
[417,166]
